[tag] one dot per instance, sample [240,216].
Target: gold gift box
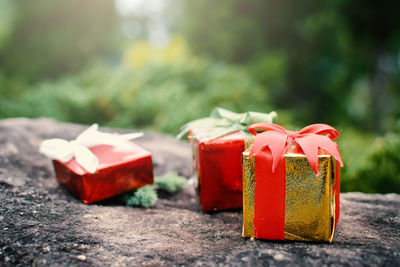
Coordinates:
[309,198]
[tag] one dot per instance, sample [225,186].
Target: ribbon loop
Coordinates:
[257,128]
[321,129]
[64,151]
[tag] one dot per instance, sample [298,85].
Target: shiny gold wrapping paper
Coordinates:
[309,203]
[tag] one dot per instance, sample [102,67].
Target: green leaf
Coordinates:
[171,182]
[145,196]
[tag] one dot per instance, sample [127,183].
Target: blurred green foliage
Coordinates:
[147,196]
[52,38]
[160,96]
[354,146]
[170,182]
[378,171]
[310,55]
[334,61]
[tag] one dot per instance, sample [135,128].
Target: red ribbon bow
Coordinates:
[269,150]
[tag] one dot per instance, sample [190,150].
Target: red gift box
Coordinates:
[217,163]
[120,169]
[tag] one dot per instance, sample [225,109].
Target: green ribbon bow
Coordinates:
[222,122]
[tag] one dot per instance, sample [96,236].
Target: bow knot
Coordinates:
[293,135]
[64,151]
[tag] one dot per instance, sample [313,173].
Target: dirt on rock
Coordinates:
[43,224]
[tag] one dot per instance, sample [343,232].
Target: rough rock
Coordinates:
[42,224]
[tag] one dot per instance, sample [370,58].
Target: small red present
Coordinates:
[98,165]
[217,164]
[218,142]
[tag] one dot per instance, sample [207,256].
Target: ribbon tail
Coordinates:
[89,131]
[310,145]
[57,149]
[204,124]
[86,158]
[184,131]
[274,140]
[310,149]
[130,136]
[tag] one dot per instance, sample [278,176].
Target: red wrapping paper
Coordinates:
[217,163]
[120,170]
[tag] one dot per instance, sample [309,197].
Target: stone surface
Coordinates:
[42,224]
